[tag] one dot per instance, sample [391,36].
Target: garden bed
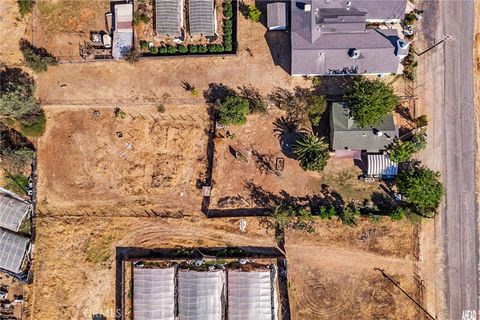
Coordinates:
[151,45]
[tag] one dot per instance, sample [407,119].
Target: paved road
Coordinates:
[447,89]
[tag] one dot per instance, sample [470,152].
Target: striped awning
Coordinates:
[379,165]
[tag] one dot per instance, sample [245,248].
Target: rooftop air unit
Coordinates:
[354,53]
[307,7]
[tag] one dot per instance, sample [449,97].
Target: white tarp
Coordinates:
[250,295]
[200,295]
[380,165]
[154,294]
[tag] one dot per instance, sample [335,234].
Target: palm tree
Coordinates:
[312,152]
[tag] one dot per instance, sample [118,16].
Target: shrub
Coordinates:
[140,17]
[227,27]
[143,44]
[410,18]
[171,49]
[161,108]
[38,59]
[318,105]
[228,9]
[312,152]
[182,49]
[233,111]
[202,49]
[163,50]
[25,6]
[397,214]
[193,48]
[153,50]
[33,125]
[421,121]
[254,13]
[349,215]
[327,212]
[227,39]
[228,47]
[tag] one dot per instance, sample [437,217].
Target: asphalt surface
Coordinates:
[447,89]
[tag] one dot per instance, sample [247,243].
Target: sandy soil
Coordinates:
[82,282]
[263,140]
[12,28]
[85,168]
[61,26]
[332,276]
[104,83]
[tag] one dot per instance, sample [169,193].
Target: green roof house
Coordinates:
[346,135]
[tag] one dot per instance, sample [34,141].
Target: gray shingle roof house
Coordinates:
[345,134]
[201,17]
[329,37]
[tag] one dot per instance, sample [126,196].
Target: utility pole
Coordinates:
[404,292]
[445,38]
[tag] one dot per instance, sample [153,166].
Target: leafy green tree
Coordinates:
[255,99]
[318,105]
[421,188]
[254,13]
[312,152]
[327,212]
[37,59]
[370,101]
[140,17]
[421,121]
[33,125]
[404,151]
[397,213]
[401,151]
[17,93]
[233,110]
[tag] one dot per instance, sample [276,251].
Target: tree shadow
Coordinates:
[187,86]
[42,52]
[217,92]
[287,132]
[13,78]
[243,8]
[333,88]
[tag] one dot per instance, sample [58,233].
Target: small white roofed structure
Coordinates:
[154,294]
[277,16]
[200,295]
[380,166]
[13,210]
[123,30]
[13,248]
[250,296]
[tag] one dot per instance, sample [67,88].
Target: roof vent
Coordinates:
[354,53]
[379,133]
[307,7]
[349,4]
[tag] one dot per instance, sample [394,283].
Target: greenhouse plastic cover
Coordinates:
[200,295]
[250,295]
[154,294]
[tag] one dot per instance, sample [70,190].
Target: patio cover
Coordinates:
[154,294]
[250,295]
[200,295]
[380,165]
[12,210]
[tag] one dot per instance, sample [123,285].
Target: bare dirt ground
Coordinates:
[104,83]
[264,139]
[86,168]
[82,282]
[61,26]
[332,276]
[12,28]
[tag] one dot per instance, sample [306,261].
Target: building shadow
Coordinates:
[279,45]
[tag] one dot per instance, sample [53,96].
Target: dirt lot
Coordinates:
[61,26]
[86,168]
[332,276]
[264,139]
[108,82]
